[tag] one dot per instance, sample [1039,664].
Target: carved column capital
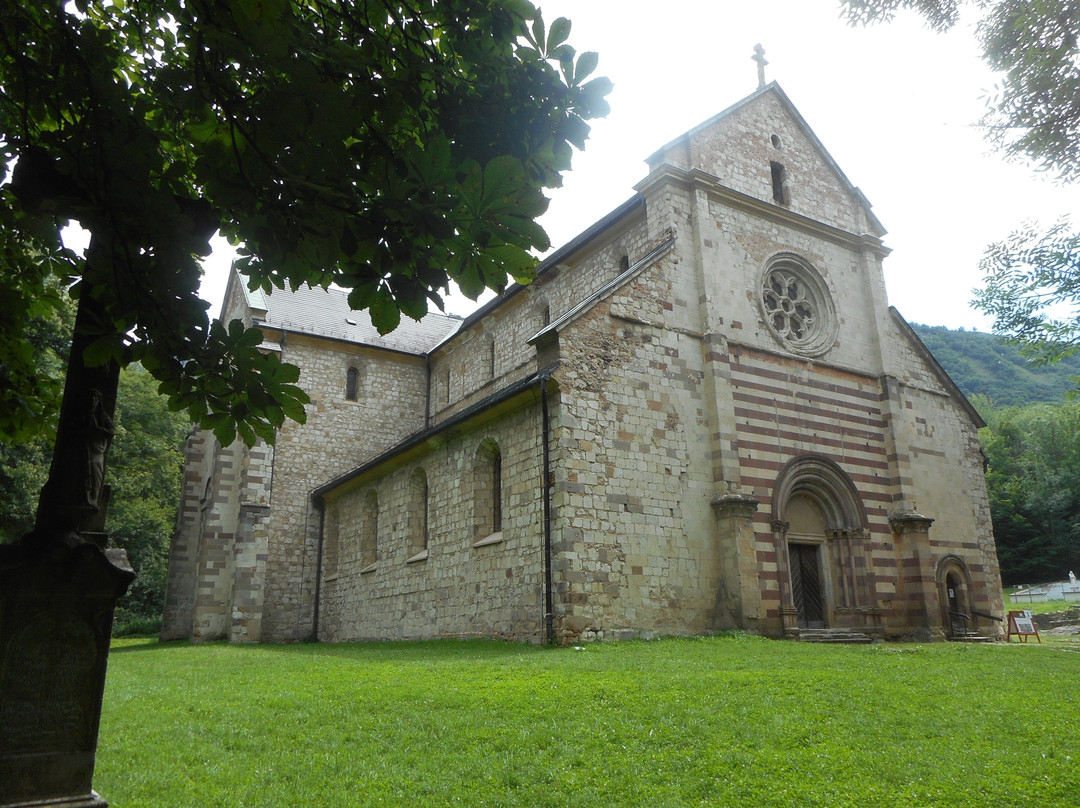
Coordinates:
[904,522]
[780,527]
[741,505]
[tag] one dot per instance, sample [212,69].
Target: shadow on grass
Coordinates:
[128,644]
[479,648]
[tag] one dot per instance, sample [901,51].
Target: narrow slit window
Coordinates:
[352,384]
[779,183]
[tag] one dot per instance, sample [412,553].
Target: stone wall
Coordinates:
[465,582]
[634,551]
[339,435]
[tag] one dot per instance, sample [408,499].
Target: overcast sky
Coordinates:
[895,105]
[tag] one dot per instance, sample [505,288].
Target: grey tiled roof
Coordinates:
[327,314]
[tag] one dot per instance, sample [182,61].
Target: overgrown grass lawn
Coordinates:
[730,721]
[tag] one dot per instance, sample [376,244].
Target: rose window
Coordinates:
[787,306]
[796,306]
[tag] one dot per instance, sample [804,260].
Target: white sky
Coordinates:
[894,104]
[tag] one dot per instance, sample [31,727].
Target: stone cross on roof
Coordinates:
[759,57]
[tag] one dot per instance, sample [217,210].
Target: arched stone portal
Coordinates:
[954,593]
[821,538]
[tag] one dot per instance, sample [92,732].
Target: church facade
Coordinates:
[703,415]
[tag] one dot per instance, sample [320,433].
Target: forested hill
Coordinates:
[984,363]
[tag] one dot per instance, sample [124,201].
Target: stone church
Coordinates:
[703,415]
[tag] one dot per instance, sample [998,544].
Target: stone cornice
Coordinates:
[697,179]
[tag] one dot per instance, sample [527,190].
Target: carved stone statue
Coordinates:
[73,495]
[97,432]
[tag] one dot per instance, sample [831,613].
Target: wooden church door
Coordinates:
[805,560]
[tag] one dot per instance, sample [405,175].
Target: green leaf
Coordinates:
[586,64]
[560,32]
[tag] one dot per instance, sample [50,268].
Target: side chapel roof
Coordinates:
[326,313]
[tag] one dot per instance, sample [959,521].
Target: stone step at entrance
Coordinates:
[969,636]
[833,635]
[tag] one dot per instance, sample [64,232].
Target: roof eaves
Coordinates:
[946,379]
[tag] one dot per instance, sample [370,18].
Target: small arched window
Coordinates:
[624,264]
[489,358]
[487,490]
[352,384]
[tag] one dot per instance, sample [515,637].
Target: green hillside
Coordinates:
[984,363]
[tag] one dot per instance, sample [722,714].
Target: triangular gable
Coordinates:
[679,149]
[239,302]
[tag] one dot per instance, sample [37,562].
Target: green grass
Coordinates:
[731,721]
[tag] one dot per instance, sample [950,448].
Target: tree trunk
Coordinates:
[74,499]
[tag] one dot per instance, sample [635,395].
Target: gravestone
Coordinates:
[56,612]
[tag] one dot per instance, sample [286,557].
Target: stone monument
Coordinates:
[58,589]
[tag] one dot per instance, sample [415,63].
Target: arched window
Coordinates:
[369,532]
[352,384]
[418,515]
[487,490]
[624,264]
[542,312]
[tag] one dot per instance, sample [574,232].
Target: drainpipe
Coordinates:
[549,626]
[427,394]
[318,502]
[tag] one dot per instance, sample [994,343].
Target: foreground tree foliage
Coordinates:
[1033,481]
[145,472]
[388,146]
[1034,115]
[1033,290]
